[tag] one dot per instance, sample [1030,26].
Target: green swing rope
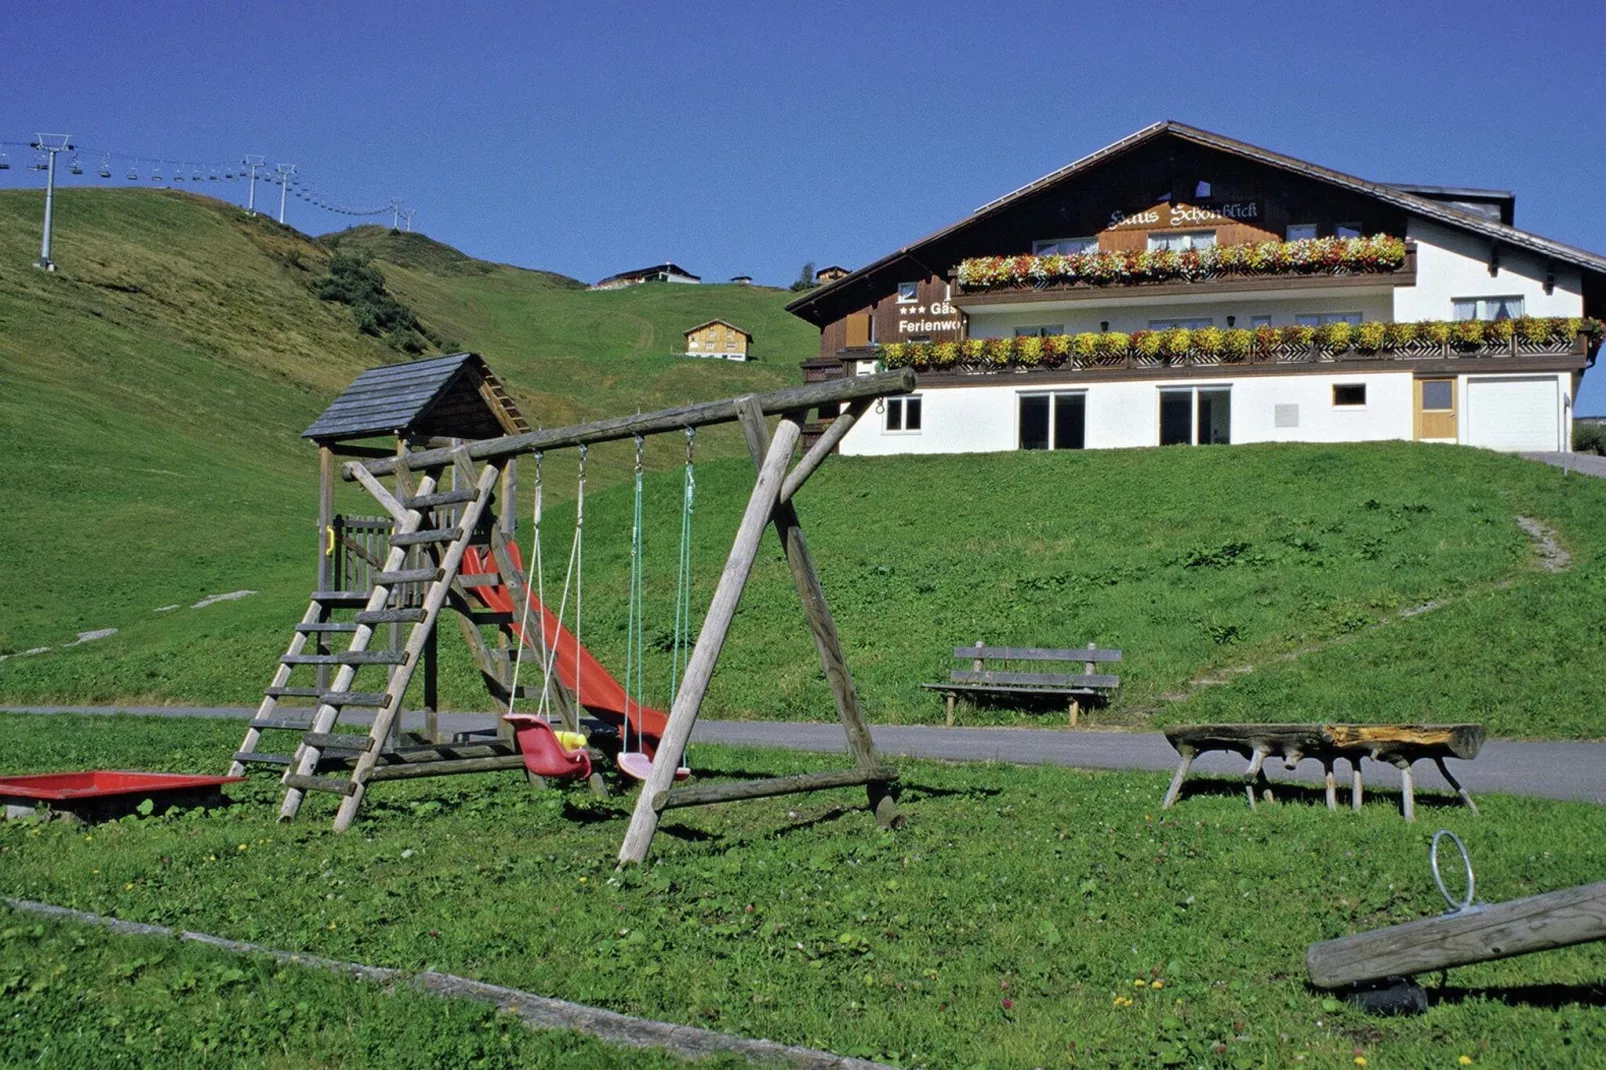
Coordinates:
[634,642]
[682,649]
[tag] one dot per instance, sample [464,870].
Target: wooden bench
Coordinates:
[1398,744]
[982,679]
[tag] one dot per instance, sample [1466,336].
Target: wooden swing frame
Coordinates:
[770,502]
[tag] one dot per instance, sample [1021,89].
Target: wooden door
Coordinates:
[1436,410]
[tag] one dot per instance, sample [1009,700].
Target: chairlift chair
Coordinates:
[76,166]
[105,167]
[195,176]
[5,162]
[133,172]
[39,162]
[156,174]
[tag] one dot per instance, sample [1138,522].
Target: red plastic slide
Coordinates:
[600,693]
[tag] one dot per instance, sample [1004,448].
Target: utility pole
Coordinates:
[50,144]
[407,216]
[285,171]
[395,213]
[253,162]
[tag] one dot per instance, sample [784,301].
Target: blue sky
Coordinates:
[751,137]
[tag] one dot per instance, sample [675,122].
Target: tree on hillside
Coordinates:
[805,279]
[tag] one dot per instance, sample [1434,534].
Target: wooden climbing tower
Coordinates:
[442,517]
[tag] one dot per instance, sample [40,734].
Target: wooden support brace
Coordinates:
[1176,781]
[1253,774]
[1456,784]
[771,786]
[710,640]
[1355,783]
[1407,790]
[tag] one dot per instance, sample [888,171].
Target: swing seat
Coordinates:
[639,766]
[543,750]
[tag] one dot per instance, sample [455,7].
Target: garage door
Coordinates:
[1513,414]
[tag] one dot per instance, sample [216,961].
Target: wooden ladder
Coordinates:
[448,544]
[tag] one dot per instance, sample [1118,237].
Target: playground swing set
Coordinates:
[442,545]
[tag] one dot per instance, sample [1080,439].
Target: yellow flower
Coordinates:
[1465,1060]
[1140,983]
[242,847]
[1360,1060]
[128,887]
[1156,984]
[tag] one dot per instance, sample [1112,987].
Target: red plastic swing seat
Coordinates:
[543,754]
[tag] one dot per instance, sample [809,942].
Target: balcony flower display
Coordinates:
[1377,253]
[1212,345]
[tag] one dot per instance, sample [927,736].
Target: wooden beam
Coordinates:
[822,448]
[789,399]
[710,640]
[381,494]
[822,625]
[414,770]
[1516,927]
[703,794]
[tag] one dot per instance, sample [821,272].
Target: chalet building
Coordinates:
[1181,287]
[717,338]
[830,273]
[665,272]
[742,280]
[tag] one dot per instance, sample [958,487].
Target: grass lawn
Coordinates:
[1026,917]
[1311,582]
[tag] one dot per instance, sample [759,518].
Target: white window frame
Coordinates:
[1350,406]
[1049,246]
[1480,306]
[1042,330]
[1192,390]
[899,405]
[1053,397]
[913,289]
[1190,239]
[1288,231]
[1191,323]
[1259,321]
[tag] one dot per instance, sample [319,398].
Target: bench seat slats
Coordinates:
[1033,653]
[1033,679]
[1012,689]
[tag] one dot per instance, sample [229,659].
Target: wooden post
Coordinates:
[1501,930]
[1330,784]
[432,728]
[949,720]
[710,640]
[327,547]
[1407,790]
[826,643]
[1355,783]
[1176,781]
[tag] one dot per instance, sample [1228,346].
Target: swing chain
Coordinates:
[691,433]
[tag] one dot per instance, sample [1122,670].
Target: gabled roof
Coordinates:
[1416,204]
[455,396]
[725,323]
[665,268]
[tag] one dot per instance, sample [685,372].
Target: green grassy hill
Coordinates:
[154,389]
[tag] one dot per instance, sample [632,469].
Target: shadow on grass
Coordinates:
[1546,997]
[1313,794]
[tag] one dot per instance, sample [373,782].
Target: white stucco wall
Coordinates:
[1451,264]
[985,419]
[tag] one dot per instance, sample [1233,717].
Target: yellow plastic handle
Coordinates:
[329,548]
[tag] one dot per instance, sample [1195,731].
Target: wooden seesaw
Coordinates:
[1376,967]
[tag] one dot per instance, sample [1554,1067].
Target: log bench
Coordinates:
[997,679]
[1397,744]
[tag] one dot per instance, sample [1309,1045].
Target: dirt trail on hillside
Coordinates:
[1553,557]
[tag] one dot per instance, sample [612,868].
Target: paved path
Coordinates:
[1544,770]
[1589,464]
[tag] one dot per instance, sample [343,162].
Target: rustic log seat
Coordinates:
[1398,744]
[997,679]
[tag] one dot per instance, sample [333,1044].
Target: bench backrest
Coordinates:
[980,673]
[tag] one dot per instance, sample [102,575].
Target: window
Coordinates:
[1299,231]
[1040,332]
[1438,395]
[1190,324]
[1259,321]
[1487,308]
[1348,230]
[908,292]
[1202,190]
[1064,246]
[1317,319]
[1349,395]
[1053,421]
[903,414]
[1183,239]
[1191,416]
